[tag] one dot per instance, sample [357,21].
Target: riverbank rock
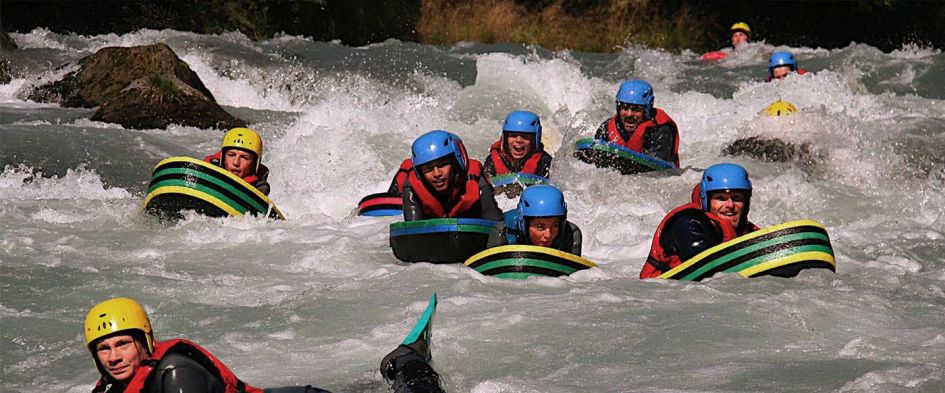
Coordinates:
[771,150]
[6,43]
[139,87]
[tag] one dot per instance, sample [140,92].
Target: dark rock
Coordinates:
[771,150]
[5,74]
[138,87]
[6,42]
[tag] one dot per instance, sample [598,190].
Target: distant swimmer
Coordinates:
[741,34]
[781,64]
[639,126]
[119,336]
[718,213]
[541,219]
[241,154]
[519,148]
[445,182]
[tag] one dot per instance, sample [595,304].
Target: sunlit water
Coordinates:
[319,299]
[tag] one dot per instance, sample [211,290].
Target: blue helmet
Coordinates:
[781,59]
[723,177]
[637,92]
[541,200]
[524,122]
[435,145]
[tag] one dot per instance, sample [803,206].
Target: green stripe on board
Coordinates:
[752,248]
[525,262]
[205,176]
[205,190]
[760,259]
[517,275]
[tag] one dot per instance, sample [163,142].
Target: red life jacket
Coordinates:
[464,198]
[659,261]
[217,159]
[403,172]
[184,347]
[497,151]
[635,142]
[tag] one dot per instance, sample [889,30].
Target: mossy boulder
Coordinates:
[138,87]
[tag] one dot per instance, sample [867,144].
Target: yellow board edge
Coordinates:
[194,193]
[529,248]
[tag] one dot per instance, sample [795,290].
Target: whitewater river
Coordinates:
[319,299]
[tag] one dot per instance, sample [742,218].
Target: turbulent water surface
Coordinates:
[319,299]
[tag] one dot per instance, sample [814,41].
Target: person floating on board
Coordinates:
[718,213]
[741,34]
[781,64]
[445,182]
[241,154]
[541,219]
[119,336]
[519,148]
[639,126]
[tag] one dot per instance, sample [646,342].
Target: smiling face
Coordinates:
[728,205]
[542,231]
[438,173]
[519,144]
[120,356]
[630,115]
[238,162]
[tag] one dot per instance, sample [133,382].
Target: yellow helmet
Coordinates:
[116,315]
[741,26]
[780,108]
[244,139]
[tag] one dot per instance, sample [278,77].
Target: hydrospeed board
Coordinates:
[184,183]
[611,155]
[781,250]
[439,240]
[523,261]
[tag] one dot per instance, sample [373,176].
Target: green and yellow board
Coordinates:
[606,154]
[439,240]
[781,250]
[512,184]
[184,183]
[522,261]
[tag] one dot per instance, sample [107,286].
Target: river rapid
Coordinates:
[319,299]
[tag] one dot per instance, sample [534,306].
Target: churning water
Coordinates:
[319,299]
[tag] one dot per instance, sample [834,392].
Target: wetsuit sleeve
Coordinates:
[413,210]
[393,187]
[262,186]
[692,234]
[489,167]
[177,373]
[577,239]
[544,165]
[488,208]
[602,131]
[660,141]
[497,236]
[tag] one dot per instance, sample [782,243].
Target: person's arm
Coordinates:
[262,186]
[497,236]
[602,131]
[413,209]
[577,238]
[692,234]
[489,167]
[488,207]
[660,141]
[544,165]
[177,373]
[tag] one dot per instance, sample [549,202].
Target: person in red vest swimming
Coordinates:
[445,182]
[718,213]
[519,148]
[119,336]
[741,34]
[781,64]
[241,154]
[639,126]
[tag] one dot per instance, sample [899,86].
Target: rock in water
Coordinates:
[772,150]
[139,87]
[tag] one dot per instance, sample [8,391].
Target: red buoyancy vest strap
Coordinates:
[195,352]
[635,142]
[659,261]
[467,195]
[218,156]
[496,151]
[402,173]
